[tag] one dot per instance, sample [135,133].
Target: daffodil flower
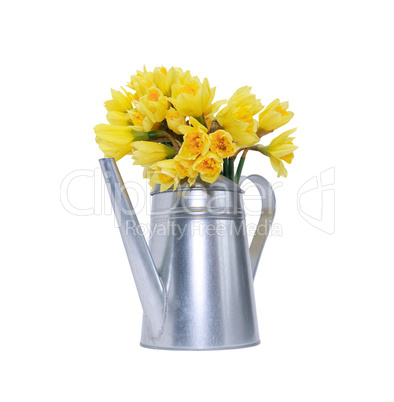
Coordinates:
[118,107]
[174,107]
[209,166]
[275,115]
[195,141]
[165,79]
[237,117]
[115,141]
[141,82]
[185,169]
[280,148]
[163,173]
[149,110]
[191,98]
[174,120]
[146,153]
[221,143]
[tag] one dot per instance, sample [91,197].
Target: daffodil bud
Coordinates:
[275,115]
[146,153]
[174,120]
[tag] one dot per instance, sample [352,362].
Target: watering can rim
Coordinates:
[221,184]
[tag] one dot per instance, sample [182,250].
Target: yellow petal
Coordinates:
[146,153]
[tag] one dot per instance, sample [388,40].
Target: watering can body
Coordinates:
[195,280]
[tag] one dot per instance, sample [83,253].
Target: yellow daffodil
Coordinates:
[209,166]
[195,125]
[184,168]
[149,110]
[146,153]
[120,102]
[209,115]
[141,82]
[275,115]
[280,148]
[195,140]
[243,98]
[191,98]
[115,141]
[137,118]
[190,85]
[163,173]
[222,144]
[175,108]
[118,108]
[160,76]
[237,117]
[174,120]
[164,79]
[184,77]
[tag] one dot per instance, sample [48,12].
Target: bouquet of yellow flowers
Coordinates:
[171,126]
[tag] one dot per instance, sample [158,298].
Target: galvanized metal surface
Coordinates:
[149,284]
[201,297]
[268,204]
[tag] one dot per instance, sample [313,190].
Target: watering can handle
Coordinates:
[267,216]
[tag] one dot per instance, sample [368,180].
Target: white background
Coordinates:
[69,312]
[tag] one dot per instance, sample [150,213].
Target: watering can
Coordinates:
[195,280]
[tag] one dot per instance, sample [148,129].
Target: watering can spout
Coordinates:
[148,282]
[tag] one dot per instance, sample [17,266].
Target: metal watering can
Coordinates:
[195,280]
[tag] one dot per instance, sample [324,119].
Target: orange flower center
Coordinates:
[222,143]
[246,116]
[282,111]
[190,89]
[137,118]
[208,166]
[153,95]
[182,169]
[194,141]
[173,115]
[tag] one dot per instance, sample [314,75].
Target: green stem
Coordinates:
[225,167]
[175,143]
[153,134]
[231,168]
[239,169]
[201,120]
